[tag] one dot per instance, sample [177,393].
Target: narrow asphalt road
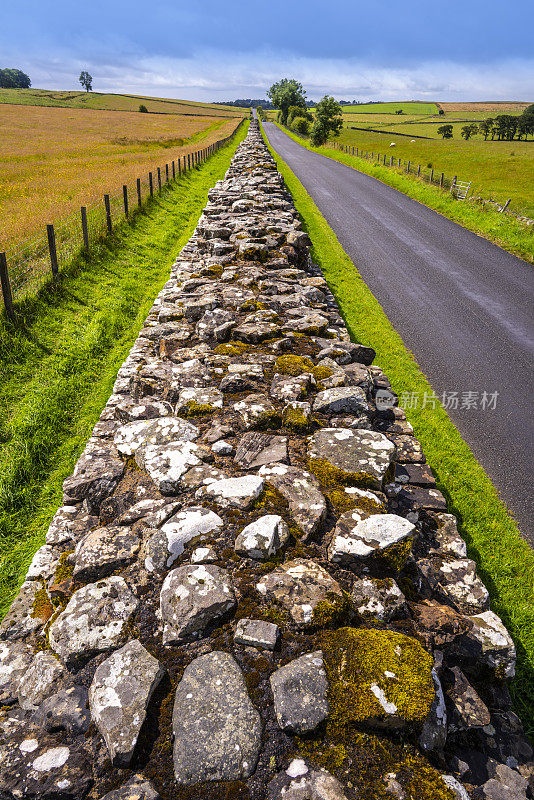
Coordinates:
[463,306]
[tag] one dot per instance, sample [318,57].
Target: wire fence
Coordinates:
[427,174]
[26,267]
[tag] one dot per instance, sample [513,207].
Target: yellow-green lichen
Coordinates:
[231,349]
[331,477]
[334,610]
[293,365]
[65,568]
[376,678]
[295,419]
[193,409]
[42,605]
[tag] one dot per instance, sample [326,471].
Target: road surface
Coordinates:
[463,306]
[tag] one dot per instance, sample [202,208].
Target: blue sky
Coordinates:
[223,49]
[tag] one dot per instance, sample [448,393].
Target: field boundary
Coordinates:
[25,267]
[504,559]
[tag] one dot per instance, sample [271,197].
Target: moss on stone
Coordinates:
[231,349]
[272,501]
[42,605]
[193,409]
[65,568]
[268,420]
[358,659]
[294,419]
[331,477]
[334,610]
[293,365]
[320,373]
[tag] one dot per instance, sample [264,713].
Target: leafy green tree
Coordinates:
[301,125]
[469,130]
[328,120]
[445,131]
[285,93]
[486,126]
[143,109]
[525,123]
[506,126]
[14,79]
[86,80]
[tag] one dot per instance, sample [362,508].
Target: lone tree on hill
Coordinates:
[469,130]
[328,120]
[286,93]
[86,80]
[14,79]
[445,131]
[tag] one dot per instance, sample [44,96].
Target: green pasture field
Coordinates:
[407,106]
[57,369]
[113,102]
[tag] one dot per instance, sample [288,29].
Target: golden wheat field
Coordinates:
[53,160]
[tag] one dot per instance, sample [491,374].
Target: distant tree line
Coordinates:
[289,97]
[248,103]
[504,127]
[14,79]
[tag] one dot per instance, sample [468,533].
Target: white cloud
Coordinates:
[223,75]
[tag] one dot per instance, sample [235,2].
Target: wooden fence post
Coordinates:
[85,230]
[138,184]
[188,161]
[431,175]
[408,168]
[159,179]
[6,288]
[173,171]
[52,248]
[166,173]
[108,212]
[150,184]
[418,170]
[125,198]
[179,166]
[441,178]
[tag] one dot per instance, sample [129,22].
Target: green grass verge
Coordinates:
[502,229]
[504,559]
[57,372]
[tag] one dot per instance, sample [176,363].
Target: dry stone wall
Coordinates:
[253,588]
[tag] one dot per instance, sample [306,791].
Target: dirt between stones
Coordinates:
[253,588]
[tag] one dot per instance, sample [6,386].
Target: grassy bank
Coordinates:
[501,229]
[57,372]
[505,561]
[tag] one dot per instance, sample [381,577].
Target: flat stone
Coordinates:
[255,332]
[408,450]
[381,535]
[239,492]
[299,782]
[222,448]
[377,599]
[137,788]
[95,619]
[166,464]
[309,324]
[130,410]
[487,645]
[130,437]
[165,546]
[300,586]
[301,490]
[201,476]
[153,512]
[24,616]
[67,710]
[104,551]
[257,411]
[467,710]
[255,449]
[119,698]
[287,387]
[204,400]
[256,633]
[300,694]
[40,680]
[227,744]
[15,658]
[44,563]
[95,477]
[341,400]
[262,538]
[446,539]
[203,555]
[361,456]
[193,597]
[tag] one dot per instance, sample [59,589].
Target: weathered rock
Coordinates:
[196,401]
[165,546]
[379,599]
[227,744]
[15,658]
[487,645]
[257,411]
[95,620]
[305,590]
[67,710]
[104,551]
[233,492]
[466,709]
[384,536]
[43,564]
[439,625]
[201,476]
[360,456]
[166,464]
[27,614]
[299,782]
[119,697]
[434,733]
[342,400]
[455,581]
[377,678]
[455,787]
[203,555]
[137,788]
[193,597]
[95,477]
[256,633]
[300,694]
[222,448]
[129,438]
[39,681]
[153,512]
[286,388]
[301,490]
[262,538]
[297,416]
[255,449]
